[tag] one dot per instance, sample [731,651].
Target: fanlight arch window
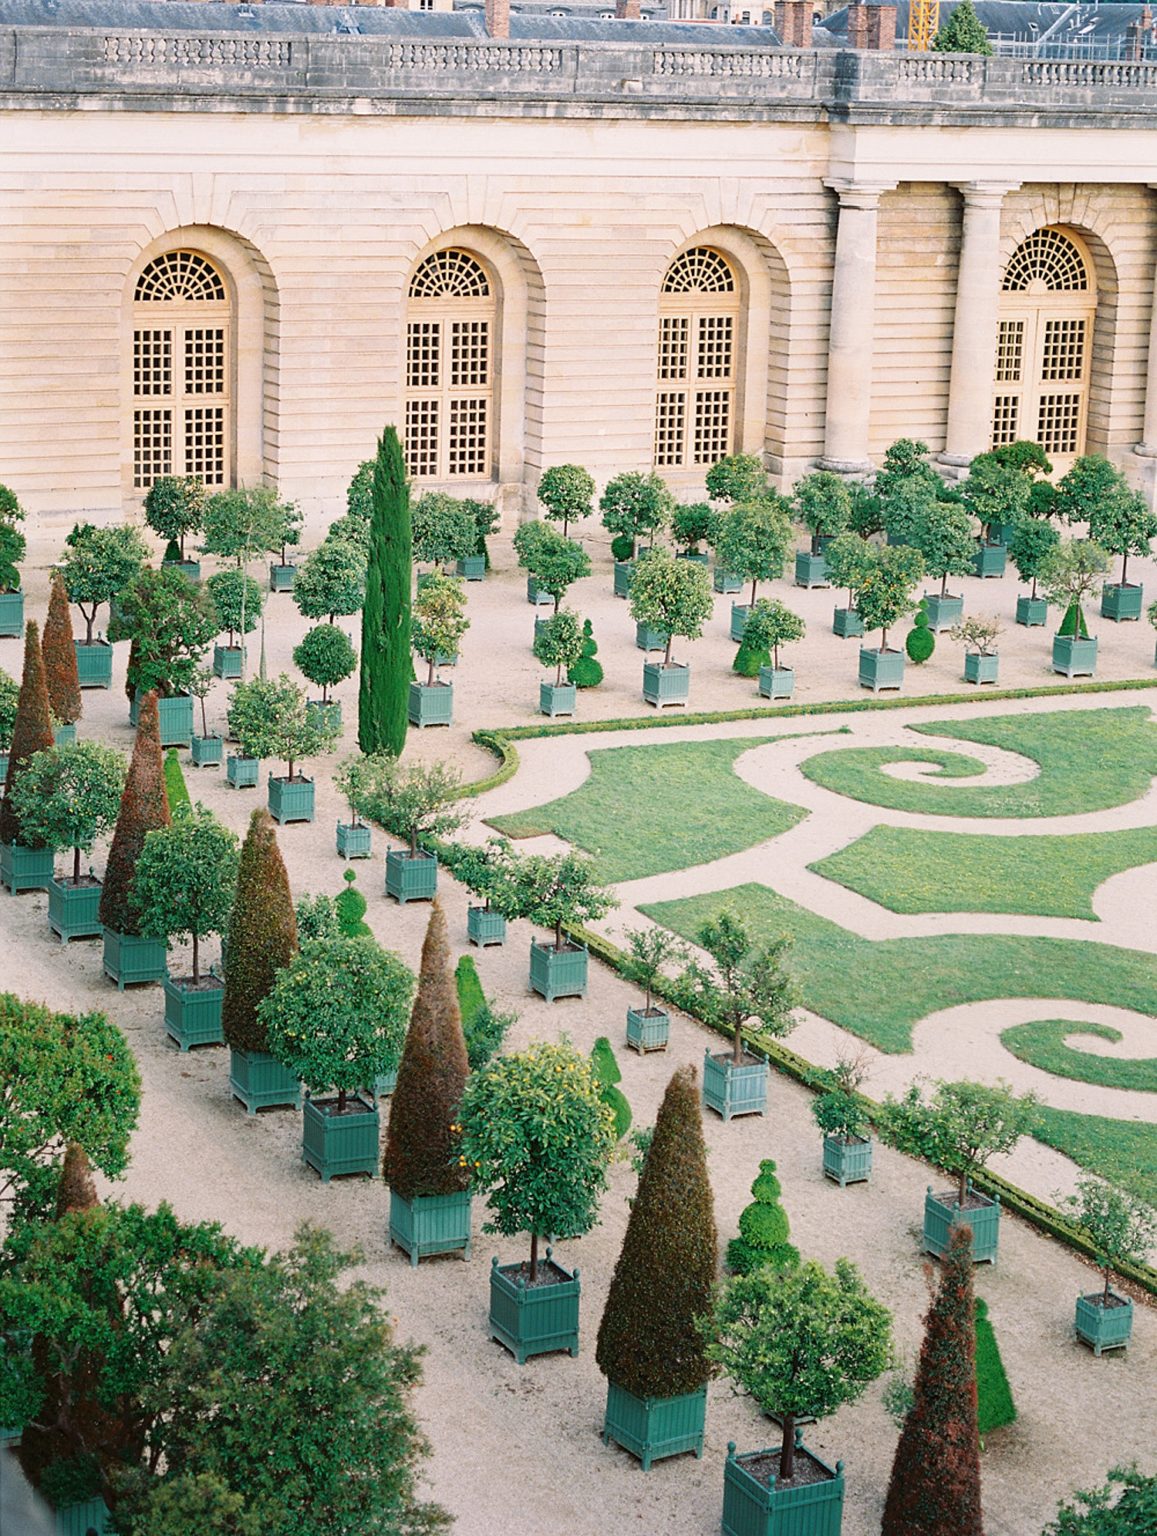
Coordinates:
[451,339]
[697,362]
[1044,345]
[183,345]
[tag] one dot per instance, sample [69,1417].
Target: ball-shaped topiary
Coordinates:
[921,641]
[763,1228]
[586,672]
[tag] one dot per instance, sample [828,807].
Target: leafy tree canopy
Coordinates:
[692,523]
[326,656]
[963,1125]
[1126,1505]
[439,620]
[963,32]
[752,539]
[248,521]
[175,506]
[885,590]
[238,600]
[566,491]
[559,643]
[97,564]
[444,530]
[770,624]
[559,891]
[848,558]
[635,506]
[331,582]
[738,477]
[68,797]
[186,879]
[672,596]
[170,622]
[9,696]
[823,503]
[742,982]
[269,718]
[417,801]
[1122,1228]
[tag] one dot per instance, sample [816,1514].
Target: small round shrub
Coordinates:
[749,659]
[921,642]
[622,547]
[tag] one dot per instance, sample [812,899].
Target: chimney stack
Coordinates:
[872,27]
[628,10]
[793,22]
[498,18]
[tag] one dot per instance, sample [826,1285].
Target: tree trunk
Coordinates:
[737,1046]
[89,620]
[289,765]
[76,866]
[558,676]
[533,1257]
[413,842]
[787,1453]
[1105,1296]
[667,652]
[558,939]
[1124,566]
[341,1097]
[1033,592]
[962,1188]
[196,960]
[883,639]
[557,600]
[775,657]
[430,674]
[754,584]
[944,585]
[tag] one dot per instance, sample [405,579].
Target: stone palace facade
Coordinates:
[237,245]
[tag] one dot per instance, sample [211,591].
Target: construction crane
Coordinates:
[923,24]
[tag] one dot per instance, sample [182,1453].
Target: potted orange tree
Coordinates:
[752,540]
[558,891]
[648,951]
[417,802]
[12,547]
[673,598]
[1068,575]
[1122,1230]
[439,622]
[884,596]
[634,506]
[25,864]
[269,718]
[97,564]
[558,644]
[824,505]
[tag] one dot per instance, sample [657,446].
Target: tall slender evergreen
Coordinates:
[935,1484]
[383,693]
[144,808]
[262,934]
[60,670]
[31,730]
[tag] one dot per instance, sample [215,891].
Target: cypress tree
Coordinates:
[262,934]
[649,1342]
[144,808]
[935,1485]
[31,730]
[386,665]
[421,1148]
[60,670]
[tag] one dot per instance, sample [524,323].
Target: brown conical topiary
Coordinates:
[144,808]
[76,1191]
[935,1485]
[31,730]
[262,934]
[59,652]
[649,1342]
[421,1147]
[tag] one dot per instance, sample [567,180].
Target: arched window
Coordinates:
[182,367]
[696,371]
[1044,345]
[450,367]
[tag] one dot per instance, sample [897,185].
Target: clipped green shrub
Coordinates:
[470,994]
[1073,623]
[921,642]
[176,790]
[995,1406]
[749,659]
[763,1229]
[607,1071]
[622,547]
[586,672]
[482,1024]
[350,910]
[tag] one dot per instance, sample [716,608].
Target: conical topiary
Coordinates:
[586,672]
[31,730]
[59,652]
[76,1191]
[649,1340]
[262,934]
[749,659]
[763,1228]
[144,808]
[421,1143]
[935,1485]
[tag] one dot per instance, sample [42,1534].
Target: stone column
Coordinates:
[850,346]
[974,326]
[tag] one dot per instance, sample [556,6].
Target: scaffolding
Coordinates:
[923,24]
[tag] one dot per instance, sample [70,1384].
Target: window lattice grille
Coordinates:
[1059,423]
[152,446]
[715,344]
[450,274]
[1063,352]
[1048,259]
[670,425]
[469,353]
[152,362]
[712,432]
[1005,419]
[422,438]
[699,270]
[180,275]
[674,346]
[205,443]
[423,354]
[1010,352]
[467,448]
[205,360]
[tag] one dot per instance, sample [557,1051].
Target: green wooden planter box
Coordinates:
[354,839]
[241,772]
[980,669]
[3,768]
[557,699]
[696,556]
[131,961]
[290,799]
[337,1145]
[738,621]
[988,561]
[281,577]
[539,626]
[848,1162]
[1104,1327]
[534,1320]
[732,1090]
[26,869]
[654,1427]
[811,570]
[726,581]
[776,682]
[175,717]
[666,685]
[11,614]
[752,1508]
[881,669]
[943,612]
[558,972]
[648,1031]
[1073,656]
[485,926]
[430,1224]
[624,575]
[648,639]
[73,910]
[1031,611]
[94,663]
[940,1213]
[227,661]
[431,703]
[385,1085]
[261,1082]
[188,568]
[472,568]
[326,712]
[536,594]
[847,624]
[411,879]
[206,751]
[193,1017]
[64,735]
[81,1519]
[1001,533]
[1121,603]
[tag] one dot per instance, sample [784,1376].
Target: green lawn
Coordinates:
[907,870]
[1122,1151]
[646,810]
[1042,1044]
[880,989]
[1090,759]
